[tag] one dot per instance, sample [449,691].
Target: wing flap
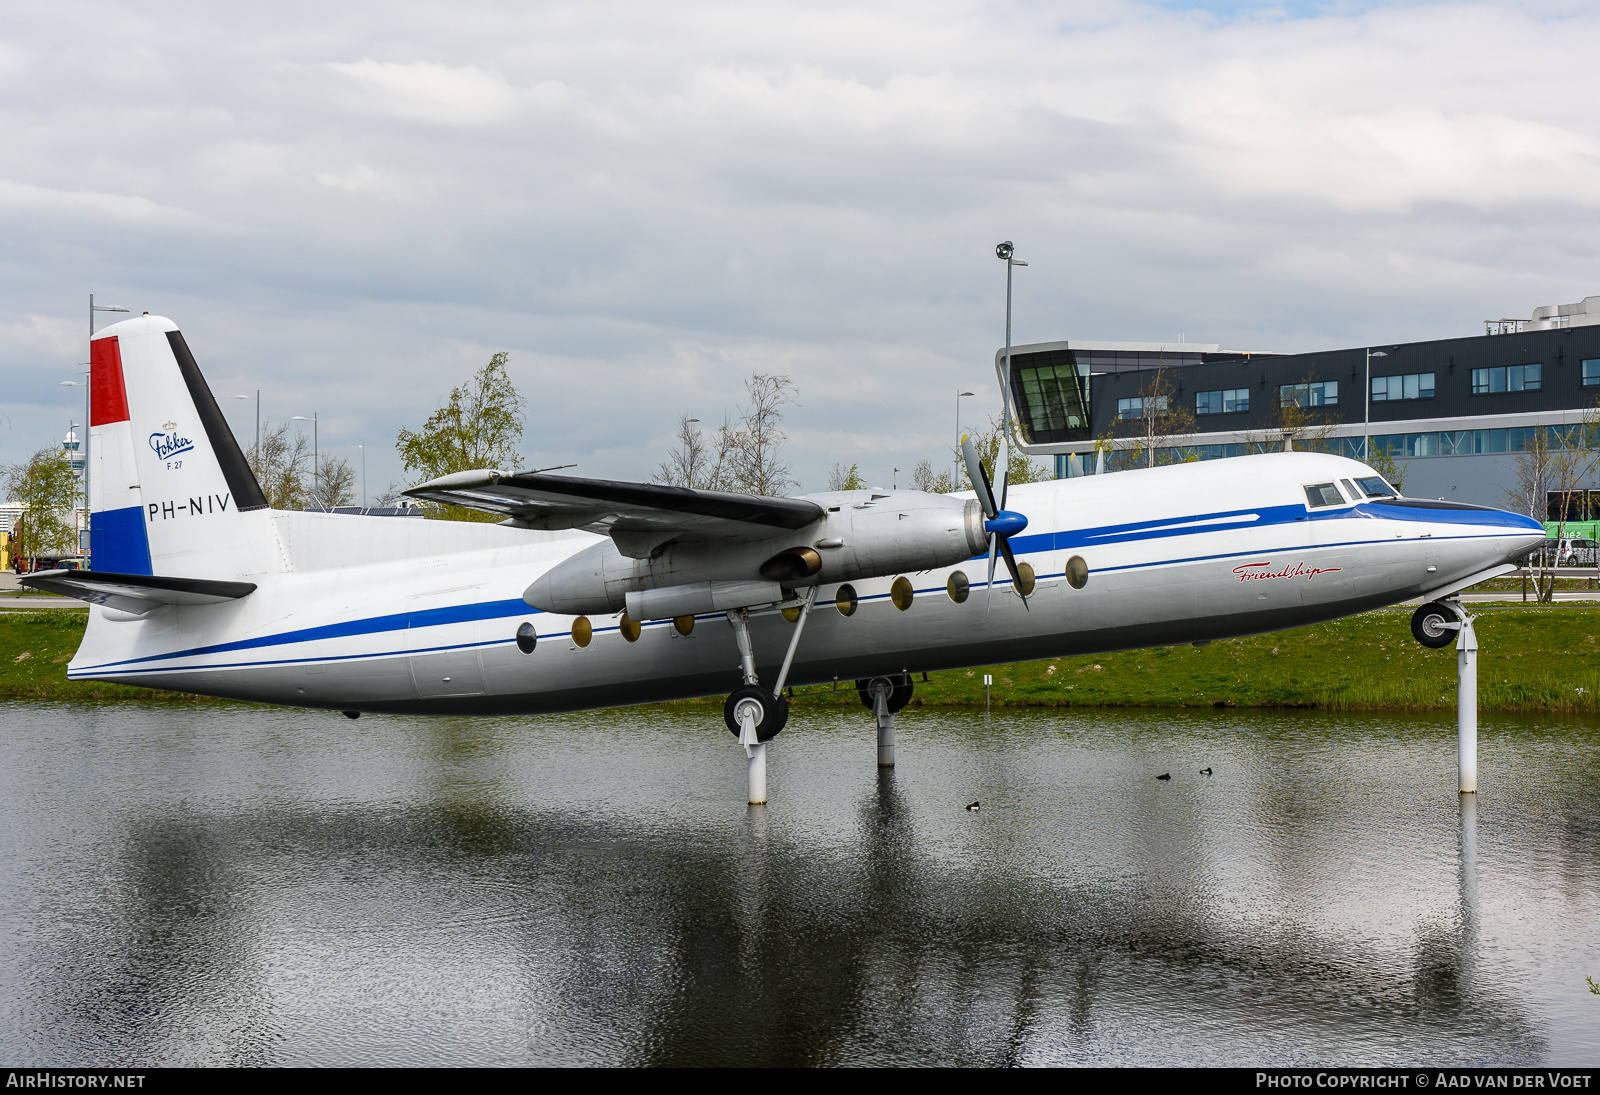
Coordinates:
[136,593]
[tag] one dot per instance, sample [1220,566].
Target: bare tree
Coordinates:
[280,462]
[1149,425]
[691,463]
[757,468]
[1297,421]
[737,457]
[1549,469]
[335,483]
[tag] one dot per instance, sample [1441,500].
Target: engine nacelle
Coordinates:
[863,534]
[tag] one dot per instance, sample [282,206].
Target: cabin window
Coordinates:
[1374,487]
[1323,494]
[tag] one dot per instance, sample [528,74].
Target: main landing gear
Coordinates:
[1437,624]
[886,696]
[753,713]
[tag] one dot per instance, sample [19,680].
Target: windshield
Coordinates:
[1375,487]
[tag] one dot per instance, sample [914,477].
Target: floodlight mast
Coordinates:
[1007,251]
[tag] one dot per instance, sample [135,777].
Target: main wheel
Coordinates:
[1427,624]
[774,710]
[899,695]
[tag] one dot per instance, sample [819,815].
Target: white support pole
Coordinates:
[880,708]
[756,770]
[1467,704]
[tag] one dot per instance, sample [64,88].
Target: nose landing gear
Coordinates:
[1438,624]
[1435,624]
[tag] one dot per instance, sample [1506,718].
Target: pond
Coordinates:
[234,885]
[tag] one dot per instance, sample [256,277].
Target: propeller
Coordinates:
[1000,523]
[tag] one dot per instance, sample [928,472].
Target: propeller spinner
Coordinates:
[1000,523]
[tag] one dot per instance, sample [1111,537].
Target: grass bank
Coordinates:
[34,650]
[1535,659]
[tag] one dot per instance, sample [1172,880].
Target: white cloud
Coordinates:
[645,202]
[420,91]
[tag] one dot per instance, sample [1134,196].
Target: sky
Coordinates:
[351,207]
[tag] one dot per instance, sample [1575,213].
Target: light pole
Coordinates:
[83,452]
[363,449]
[1366,404]
[1007,252]
[960,395]
[255,453]
[316,482]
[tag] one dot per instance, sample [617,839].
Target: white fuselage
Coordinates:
[404,615]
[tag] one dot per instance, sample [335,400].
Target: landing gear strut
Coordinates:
[886,696]
[753,713]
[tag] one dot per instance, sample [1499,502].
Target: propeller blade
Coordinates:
[988,596]
[1011,565]
[979,477]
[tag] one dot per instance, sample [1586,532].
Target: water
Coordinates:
[242,886]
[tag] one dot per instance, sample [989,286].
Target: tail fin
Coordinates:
[171,492]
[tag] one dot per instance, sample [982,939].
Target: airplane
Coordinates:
[593,593]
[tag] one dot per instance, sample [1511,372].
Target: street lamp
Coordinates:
[1007,252]
[1366,413]
[363,449]
[316,481]
[255,453]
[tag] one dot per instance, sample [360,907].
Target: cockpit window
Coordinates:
[1375,487]
[1323,494]
[1350,490]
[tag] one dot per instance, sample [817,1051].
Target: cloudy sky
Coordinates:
[350,207]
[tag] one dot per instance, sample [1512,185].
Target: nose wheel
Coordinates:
[1435,625]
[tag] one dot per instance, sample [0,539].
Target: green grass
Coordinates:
[34,650]
[1540,659]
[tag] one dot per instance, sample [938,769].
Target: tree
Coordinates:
[336,483]
[1156,417]
[691,463]
[46,489]
[843,478]
[743,457]
[1296,421]
[1383,462]
[987,443]
[479,427]
[1549,468]
[282,464]
[757,468]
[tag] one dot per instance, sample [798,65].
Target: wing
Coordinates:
[136,593]
[638,516]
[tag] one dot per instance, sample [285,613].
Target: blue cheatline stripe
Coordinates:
[399,621]
[1104,536]
[118,543]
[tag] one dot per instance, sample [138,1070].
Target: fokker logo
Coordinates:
[169,444]
[1255,572]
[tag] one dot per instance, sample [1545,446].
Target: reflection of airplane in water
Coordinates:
[593,593]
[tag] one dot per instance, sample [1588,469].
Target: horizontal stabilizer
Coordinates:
[135,593]
[626,511]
